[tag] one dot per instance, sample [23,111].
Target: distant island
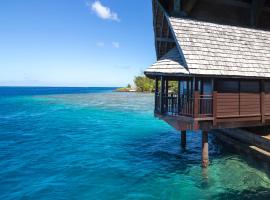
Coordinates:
[144,84]
[141,84]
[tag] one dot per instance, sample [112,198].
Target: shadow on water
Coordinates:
[164,154]
[235,173]
[164,150]
[251,159]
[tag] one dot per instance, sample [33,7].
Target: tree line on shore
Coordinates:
[144,84]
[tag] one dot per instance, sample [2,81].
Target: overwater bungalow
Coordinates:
[218,51]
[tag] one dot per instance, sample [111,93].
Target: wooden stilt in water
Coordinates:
[183,139]
[205,159]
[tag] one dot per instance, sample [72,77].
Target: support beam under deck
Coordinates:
[183,139]
[162,93]
[156,95]
[205,157]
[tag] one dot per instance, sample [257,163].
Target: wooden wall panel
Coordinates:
[250,104]
[267,104]
[240,98]
[227,104]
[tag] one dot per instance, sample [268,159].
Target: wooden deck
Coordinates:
[217,111]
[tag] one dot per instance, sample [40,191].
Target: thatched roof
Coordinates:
[217,50]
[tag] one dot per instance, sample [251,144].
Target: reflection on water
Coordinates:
[109,146]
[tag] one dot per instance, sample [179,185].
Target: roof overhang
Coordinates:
[214,50]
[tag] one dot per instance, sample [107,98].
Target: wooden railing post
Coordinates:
[183,139]
[262,102]
[162,92]
[196,104]
[172,103]
[166,95]
[156,95]
[179,97]
[215,93]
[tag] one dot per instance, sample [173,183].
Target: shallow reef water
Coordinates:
[98,144]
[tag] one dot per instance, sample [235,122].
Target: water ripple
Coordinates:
[109,146]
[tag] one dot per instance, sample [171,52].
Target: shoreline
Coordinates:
[127,90]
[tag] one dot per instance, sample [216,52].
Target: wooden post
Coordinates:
[263,101]
[156,95]
[205,157]
[196,96]
[239,97]
[162,96]
[177,6]
[192,86]
[256,11]
[183,139]
[188,87]
[201,86]
[196,84]
[196,104]
[215,94]
[166,94]
[179,98]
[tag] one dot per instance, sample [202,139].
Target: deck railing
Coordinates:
[198,106]
[157,103]
[186,105]
[205,106]
[172,107]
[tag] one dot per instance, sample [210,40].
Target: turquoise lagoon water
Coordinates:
[91,143]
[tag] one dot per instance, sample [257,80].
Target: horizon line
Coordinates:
[62,86]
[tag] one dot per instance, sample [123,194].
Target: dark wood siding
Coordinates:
[267,98]
[238,98]
[250,98]
[227,98]
[227,104]
[267,104]
[250,104]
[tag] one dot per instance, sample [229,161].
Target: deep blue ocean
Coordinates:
[92,143]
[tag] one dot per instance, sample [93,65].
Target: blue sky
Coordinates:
[74,42]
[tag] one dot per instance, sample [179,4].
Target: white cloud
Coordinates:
[116,45]
[104,12]
[100,44]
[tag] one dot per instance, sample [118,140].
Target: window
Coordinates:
[267,86]
[207,87]
[229,86]
[250,86]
